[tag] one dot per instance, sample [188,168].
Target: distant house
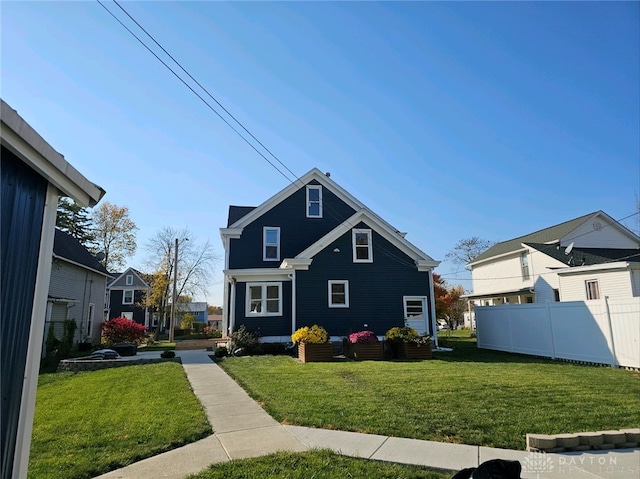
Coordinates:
[586,258]
[127,293]
[314,254]
[196,309]
[77,289]
[32,176]
[215,322]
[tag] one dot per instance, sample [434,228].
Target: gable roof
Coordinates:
[545,235]
[252,213]
[422,260]
[119,276]
[68,248]
[587,256]
[238,212]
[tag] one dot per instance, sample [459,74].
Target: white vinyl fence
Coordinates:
[605,331]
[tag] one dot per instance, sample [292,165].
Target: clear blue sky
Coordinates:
[449,120]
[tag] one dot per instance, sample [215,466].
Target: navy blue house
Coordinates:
[314,254]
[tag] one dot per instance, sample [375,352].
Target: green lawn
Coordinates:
[89,423]
[468,396]
[317,464]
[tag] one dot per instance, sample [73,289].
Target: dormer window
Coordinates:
[362,246]
[271,244]
[128,280]
[314,201]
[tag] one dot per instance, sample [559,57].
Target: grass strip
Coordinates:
[92,422]
[317,464]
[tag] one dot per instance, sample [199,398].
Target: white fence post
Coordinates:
[614,360]
[553,339]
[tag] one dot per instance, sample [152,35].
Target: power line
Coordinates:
[197,94]
[205,90]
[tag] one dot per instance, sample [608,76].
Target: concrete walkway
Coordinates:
[243,429]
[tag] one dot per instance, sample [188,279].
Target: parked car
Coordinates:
[442,324]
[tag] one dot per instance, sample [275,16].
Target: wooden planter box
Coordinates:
[412,351]
[313,353]
[363,352]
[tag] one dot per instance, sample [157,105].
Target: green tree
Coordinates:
[115,235]
[76,220]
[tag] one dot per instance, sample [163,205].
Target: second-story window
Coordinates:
[524,263]
[129,280]
[314,201]
[127,296]
[271,243]
[362,248]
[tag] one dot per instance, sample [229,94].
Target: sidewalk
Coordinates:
[242,429]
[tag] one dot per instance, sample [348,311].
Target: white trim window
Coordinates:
[264,299]
[314,201]
[593,289]
[338,293]
[128,280]
[271,243]
[414,307]
[90,318]
[127,314]
[362,246]
[127,296]
[524,265]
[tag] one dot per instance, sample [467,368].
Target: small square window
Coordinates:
[338,293]
[593,290]
[314,201]
[271,244]
[362,247]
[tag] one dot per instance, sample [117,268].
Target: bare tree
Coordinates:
[196,262]
[467,249]
[115,235]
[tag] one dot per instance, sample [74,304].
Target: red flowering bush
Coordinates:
[363,337]
[122,330]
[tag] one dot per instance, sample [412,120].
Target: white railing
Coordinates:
[604,331]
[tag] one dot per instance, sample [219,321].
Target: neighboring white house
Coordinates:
[586,258]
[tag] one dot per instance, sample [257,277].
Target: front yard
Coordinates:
[468,396]
[89,423]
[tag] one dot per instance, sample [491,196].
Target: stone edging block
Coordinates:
[584,441]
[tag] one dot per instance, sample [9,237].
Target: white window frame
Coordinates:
[319,188]
[124,296]
[263,300]
[346,293]
[588,290]
[369,245]
[127,314]
[128,280]
[90,318]
[524,266]
[265,244]
[421,299]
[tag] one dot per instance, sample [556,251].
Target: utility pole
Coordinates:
[172,319]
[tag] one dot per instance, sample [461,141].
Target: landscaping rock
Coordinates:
[633,435]
[567,440]
[614,437]
[540,441]
[591,438]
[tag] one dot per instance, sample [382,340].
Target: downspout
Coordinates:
[293,302]
[434,328]
[232,309]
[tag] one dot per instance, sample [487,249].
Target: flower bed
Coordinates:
[363,346]
[312,352]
